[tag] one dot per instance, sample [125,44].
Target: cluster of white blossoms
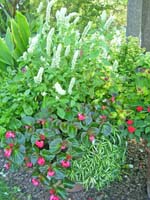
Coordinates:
[38,78]
[56,57]
[49,41]
[33,42]
[74,60]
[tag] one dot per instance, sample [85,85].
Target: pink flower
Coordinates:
[41,161]
[27,127]
[39,144]
[113,99]
[63,147]
[35,182]
[52,191]
[129,122]
[131,129]
[51,172]
[7,152]
[29,164]
[104,117]
[54,197]
[41,121]
[10,134]
[81,117]
[42,137]
[7,166]
[65,163]
[139,108]
[148,109]
[11,145]
[92,138]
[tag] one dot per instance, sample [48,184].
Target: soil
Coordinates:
[131,187]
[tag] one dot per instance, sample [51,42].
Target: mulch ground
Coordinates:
[131,187]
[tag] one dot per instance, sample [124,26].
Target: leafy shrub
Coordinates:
[62,95]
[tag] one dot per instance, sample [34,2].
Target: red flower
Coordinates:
[139,108]
[68,157]
[42,137]
[148,109]
[52,191]
[35,182]
[129,122]
[7,152]
[131,129]
[9,134]
[81,117]
[39,144]
[41,161]
[65,163]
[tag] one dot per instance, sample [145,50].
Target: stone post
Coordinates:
[134,18]
[138,21]
[145,37]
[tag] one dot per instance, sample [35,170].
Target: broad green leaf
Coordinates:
[9,40]
[5,54]
[27,120]
[23,26]
[18,157]
[106,129]
[61,113]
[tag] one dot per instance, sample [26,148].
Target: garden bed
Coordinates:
[131,187]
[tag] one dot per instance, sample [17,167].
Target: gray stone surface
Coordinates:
[134,18]
[145,38]
[138,21]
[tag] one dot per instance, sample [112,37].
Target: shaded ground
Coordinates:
[131,187]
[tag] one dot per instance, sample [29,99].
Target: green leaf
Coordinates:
[5,54]
[59,174]
[18,157]
[24,29]
[147,130]
[27,109]
[54,146]
[27,120]
[106,129]
[72,131]
[9,40]
[47,155]
[61,113]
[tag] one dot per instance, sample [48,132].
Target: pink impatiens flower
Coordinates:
[81,117]
[41,161]
[7,166]
[92,138]
[51,172]
[65,163]
[42,137]
[35,182]
[7,152]
[148,109]
[54,197]
[29,164]
[10,134]
[39,144]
